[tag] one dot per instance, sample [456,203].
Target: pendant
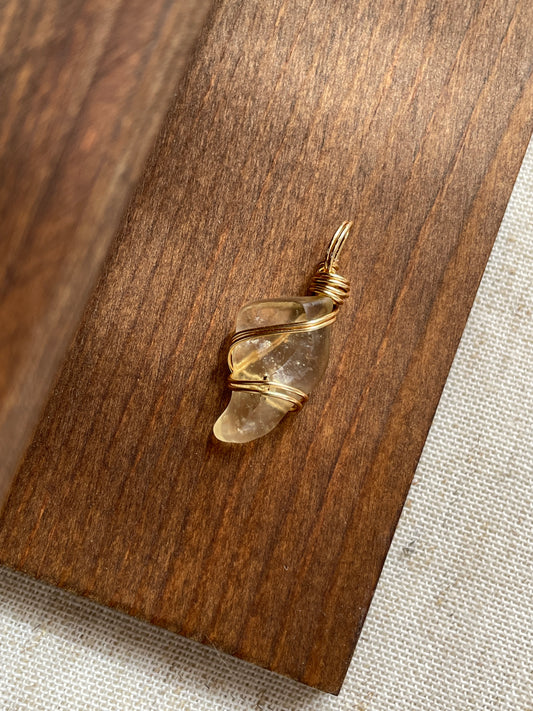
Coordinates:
[280,350]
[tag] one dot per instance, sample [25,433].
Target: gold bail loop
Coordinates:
[326,281]
[335,246]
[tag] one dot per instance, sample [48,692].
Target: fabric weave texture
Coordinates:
[451,624]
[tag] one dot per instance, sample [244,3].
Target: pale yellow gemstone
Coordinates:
[296,359]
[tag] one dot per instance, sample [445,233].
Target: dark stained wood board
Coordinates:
[84,86]
[409,117]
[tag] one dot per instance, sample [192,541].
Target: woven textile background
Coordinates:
[451,624]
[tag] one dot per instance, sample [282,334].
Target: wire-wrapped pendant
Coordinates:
[280,350]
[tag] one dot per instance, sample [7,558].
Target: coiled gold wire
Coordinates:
[325,282]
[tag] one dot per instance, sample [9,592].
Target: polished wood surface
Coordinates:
[409,117]
[84,86]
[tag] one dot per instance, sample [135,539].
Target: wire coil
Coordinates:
[325,282]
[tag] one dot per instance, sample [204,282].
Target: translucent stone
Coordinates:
[296,359]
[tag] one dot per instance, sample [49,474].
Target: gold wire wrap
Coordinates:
[325,282]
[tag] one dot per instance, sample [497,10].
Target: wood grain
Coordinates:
[84,86]
[411,117]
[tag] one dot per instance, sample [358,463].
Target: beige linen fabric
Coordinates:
[451,624]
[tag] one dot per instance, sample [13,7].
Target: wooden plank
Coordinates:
[84,87]
[411,117]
